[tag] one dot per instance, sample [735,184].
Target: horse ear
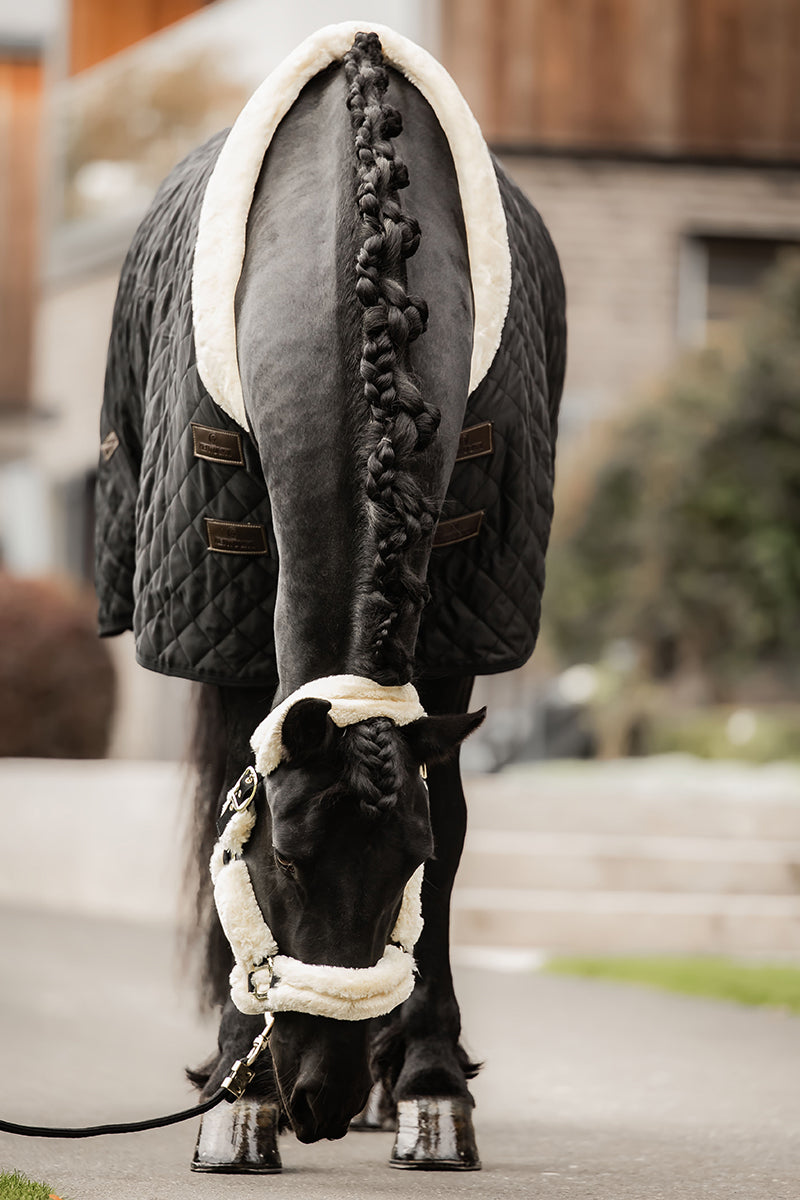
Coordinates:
[435,739]
[306,728]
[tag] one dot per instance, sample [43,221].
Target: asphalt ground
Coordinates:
[590,1089]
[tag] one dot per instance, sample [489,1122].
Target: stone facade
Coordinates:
[622,231]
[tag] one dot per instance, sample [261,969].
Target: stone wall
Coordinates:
[621,230]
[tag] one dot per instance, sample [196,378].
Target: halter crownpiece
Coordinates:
[352,698]
[264,980]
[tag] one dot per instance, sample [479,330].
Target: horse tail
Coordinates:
[402,423]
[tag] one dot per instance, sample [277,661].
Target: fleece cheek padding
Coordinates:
[240,916]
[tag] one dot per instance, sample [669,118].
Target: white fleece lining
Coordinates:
[220,246]
[353,698]
[343,993]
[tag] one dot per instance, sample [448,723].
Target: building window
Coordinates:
[719,279]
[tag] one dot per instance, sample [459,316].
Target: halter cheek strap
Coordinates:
[263,980]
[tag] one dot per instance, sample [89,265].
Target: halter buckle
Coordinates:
[240,796]
[256,987]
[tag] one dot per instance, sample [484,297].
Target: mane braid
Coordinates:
[374,769]
[401,422]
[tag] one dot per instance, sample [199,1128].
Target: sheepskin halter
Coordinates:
[264,980]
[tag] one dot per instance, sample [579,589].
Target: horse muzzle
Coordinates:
[322,1072]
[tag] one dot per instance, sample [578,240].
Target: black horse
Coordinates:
[355,426]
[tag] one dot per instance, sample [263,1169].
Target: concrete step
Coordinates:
[620,922]
[669,796]
[616,862]
[667,854]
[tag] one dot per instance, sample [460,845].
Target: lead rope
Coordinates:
[232,1088]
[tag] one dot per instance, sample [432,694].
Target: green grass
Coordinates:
[722,978]
[14,1186]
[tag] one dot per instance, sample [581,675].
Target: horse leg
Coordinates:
[419,1052]
[238,1138]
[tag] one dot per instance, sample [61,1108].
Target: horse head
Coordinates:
[334,847]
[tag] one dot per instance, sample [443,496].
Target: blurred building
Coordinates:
[660,139]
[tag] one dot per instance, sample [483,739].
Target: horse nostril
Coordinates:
[310,1117]
[302,1117]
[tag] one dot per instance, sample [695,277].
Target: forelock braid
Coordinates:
[374,768]
[402,423]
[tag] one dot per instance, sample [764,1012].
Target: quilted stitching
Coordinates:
[208,616]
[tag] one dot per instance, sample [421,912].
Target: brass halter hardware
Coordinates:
[243,1069]
[242,792]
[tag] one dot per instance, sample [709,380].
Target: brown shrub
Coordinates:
[56,676]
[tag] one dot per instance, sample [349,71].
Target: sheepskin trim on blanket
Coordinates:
[219,251]
[343,993]
[352,699]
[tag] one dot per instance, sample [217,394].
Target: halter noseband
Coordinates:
[264,980]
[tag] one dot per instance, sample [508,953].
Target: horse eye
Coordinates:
[284,863]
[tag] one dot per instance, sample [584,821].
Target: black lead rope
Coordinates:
[45,1131]
[232,1088]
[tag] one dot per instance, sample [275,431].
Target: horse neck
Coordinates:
[299,329]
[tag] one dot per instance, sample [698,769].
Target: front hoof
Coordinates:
[239,1139]
[435,1134]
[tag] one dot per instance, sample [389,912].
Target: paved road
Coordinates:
[590,1089]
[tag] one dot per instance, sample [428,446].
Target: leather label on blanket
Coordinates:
[457,530]
[108,445]
[235,537]
[475,441]
[217,445]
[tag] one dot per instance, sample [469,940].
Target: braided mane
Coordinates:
[374,771]
[401,423]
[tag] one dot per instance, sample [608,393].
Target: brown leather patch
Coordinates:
[218,445]
[475,441]
[235,537]
[108,445]
[457,530]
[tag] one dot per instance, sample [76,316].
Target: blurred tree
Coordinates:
[686,537]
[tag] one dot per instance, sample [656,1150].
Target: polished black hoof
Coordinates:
[239,1139]
[435,1134]
[379,1114]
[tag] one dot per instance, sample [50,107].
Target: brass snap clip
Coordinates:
[241,1073]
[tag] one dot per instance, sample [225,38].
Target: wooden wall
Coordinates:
[20,105]
[100,28]
[688,77]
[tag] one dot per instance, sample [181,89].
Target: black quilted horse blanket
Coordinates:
[185,554]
